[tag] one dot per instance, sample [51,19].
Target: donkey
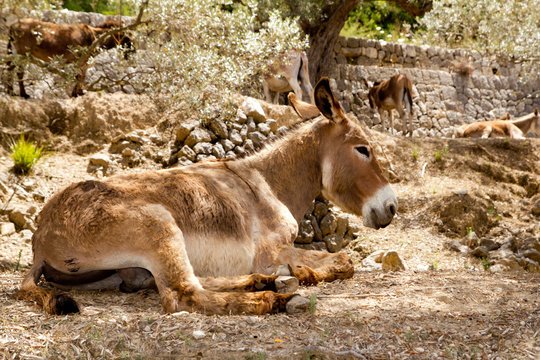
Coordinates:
[211,233]
[514,129]
[305,111]
[44,40]
[394,93]
[291,72]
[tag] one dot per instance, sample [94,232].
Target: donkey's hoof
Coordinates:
[297,305]
[283,270]
[286,284]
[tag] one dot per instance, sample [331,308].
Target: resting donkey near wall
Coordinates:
[44,40]
[394,93]
[210,234]
[514,128]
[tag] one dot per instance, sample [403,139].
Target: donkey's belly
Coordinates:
[215,257]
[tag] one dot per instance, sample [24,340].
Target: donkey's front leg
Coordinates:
[312,267]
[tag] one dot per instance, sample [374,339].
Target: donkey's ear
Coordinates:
[326,102]
[305,110]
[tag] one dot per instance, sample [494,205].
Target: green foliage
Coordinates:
[415,154]
[486,263]
[312,305]
[478,25]
[378,20]
[439,154]
[24,154]
[108,7]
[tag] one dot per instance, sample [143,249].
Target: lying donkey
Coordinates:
[514,128]
[394,93]
[209,235]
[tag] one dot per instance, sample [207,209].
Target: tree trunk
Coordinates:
[324,36]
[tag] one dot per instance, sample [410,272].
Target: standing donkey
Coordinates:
[289,72]
[394,93]
[210,234]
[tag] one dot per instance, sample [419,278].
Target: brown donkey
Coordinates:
[514,128]
[44,40]
[288,73]
[211,234]
[394,93]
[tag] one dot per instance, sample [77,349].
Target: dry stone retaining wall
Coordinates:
[446,98]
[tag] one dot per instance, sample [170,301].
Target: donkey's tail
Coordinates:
[407,97]
[52,302]
[304,75]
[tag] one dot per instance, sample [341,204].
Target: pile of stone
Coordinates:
[218,139]
[509,253]
[325,228]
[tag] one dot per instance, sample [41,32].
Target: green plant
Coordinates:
[435,265]
[486,263]
[439,154]
[470,230]
[312,305]
[24,154]
[415,154]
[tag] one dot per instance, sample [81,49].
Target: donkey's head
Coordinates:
[351,176]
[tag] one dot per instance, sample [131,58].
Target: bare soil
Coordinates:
[443,306]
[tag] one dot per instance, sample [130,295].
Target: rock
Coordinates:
[128,153]
[249,146]
[328,224]
[489,244]
[252,108]
[480,252]
[227,144]
[305,232]
[235,137]
[251,125]
[204,148]
[26,235]
[257,138]
[342,225]
[264,129]
[198,334]
[334,242]
[535,207]
[392,262]
[218,151]
[102,160]
[241,117]
[282,130]
[187,152]
[184,129]
[471,240]
[286,284]
[297,305]
[317,233]
[7,228]
[320,210]
[219,128]
[272,124]
[198,135]
[18,217]
[532,254]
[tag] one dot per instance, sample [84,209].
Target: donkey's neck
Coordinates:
[291,167]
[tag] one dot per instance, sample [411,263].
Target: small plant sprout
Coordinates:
[486,263]
[312,306]
[440,153]
[415,154]
[24,154]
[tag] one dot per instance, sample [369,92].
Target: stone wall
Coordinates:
[446,97]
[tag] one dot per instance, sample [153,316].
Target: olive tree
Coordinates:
[500,27]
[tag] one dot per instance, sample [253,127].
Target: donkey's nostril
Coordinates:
[392,209]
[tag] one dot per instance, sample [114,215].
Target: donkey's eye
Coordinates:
[363,150]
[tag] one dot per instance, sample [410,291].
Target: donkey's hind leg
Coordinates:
[245,283]
[312,267]
[162,251]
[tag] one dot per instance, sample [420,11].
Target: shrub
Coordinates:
[24,154]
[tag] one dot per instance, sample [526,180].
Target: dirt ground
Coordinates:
[443,306]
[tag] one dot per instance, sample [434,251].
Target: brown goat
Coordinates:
[44,40]
[394,93]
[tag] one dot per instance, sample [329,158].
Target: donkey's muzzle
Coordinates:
[380,209]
